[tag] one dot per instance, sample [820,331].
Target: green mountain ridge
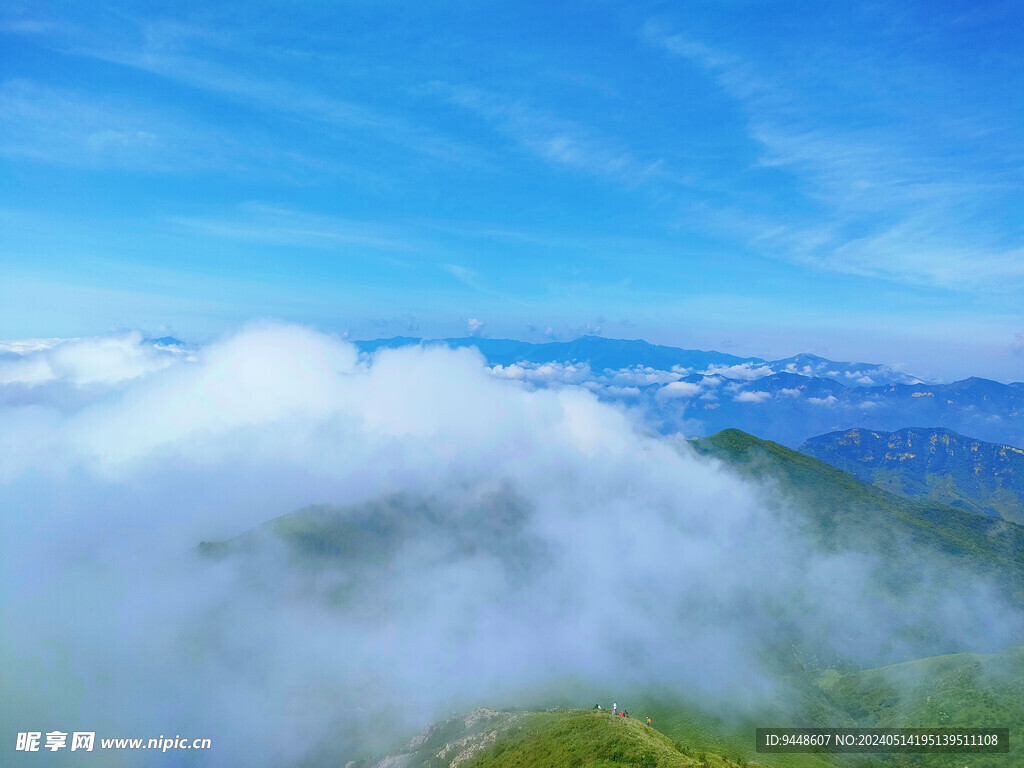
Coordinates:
[486,738]
[841,510]
[933,463]
[844,511]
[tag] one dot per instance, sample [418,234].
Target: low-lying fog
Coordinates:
[617,559]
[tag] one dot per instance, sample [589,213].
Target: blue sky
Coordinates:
[759,178]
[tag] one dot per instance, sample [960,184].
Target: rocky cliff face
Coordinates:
[931,462]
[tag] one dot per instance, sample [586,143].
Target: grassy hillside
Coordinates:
[843,511]
[933,463]
[957,690]
[550,739]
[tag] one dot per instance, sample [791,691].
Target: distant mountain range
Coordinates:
[937,464]
[789,401]
[603,354]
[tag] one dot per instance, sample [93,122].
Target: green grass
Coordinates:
[963,689]
[697,731]
[574,738]
[585,739]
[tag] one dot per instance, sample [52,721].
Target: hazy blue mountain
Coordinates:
[790,409]
[600,353]
[788,400]
[936,463]
[851,374]
[613,354]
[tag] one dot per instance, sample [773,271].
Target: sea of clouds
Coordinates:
[630,561]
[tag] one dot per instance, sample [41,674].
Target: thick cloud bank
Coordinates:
[562,544]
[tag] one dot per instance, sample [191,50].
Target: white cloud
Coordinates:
[98,360]
[23,346]
[474,326]
[828,401]
[790,392]
[744,371]
[623,391]
[752,397]
[678,389]
[640,375]
[547,373]
[806,370]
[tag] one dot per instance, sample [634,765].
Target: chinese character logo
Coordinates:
[56,740]
[83,740]
[29,742]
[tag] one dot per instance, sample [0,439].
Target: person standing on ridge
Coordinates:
[614,705]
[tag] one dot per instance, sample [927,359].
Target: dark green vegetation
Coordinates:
[842,511]
[364,538]
[936,464]
[964,689]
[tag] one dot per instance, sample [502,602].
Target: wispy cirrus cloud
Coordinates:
[80,128]
[904,196]
[67,127]
[556,140]
[465,275]
[277,225]
[24,25]
[195,56]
